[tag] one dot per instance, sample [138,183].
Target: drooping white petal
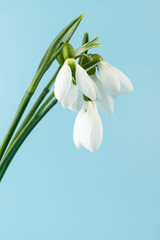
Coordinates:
[63,82]
[96,87]
[88,130]
[126,85]
[76,130]
[115,95]
[107,104]
[109,78]
[85,82]
[106,101]
[74,99]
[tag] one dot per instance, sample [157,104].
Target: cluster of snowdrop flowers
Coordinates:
[81,90]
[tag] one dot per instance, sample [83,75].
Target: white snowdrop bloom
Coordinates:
[114,81]
[65,90]
[74,99]
[88,130]
[106,101]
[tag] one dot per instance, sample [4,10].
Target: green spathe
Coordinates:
[68,51]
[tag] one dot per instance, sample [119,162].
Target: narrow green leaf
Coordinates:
[87,46]
[58,39]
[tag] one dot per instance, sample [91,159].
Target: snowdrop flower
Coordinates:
[67,90]
[74,99]
[88,130]
[113,80]
[106,101]
[72,82]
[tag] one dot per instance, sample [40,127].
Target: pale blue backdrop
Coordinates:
[52,190]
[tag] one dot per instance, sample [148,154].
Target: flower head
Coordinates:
[80,91]
[71,83]
[106,101]
[113,80]
[88,130]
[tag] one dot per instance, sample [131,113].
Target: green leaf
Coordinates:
[60,37]
[87,46]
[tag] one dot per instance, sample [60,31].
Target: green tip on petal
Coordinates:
[86,99]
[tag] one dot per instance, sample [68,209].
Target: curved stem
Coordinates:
[35,106]
[50,55]
[16,119]
[22,136]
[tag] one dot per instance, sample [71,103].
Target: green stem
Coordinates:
[35,106]
[17,117]
[22,136]
[52,52]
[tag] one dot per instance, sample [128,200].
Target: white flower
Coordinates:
[106,101]
[74,99]
[114,81]
[67,92]
[88,130]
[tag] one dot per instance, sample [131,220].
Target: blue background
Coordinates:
[52,190]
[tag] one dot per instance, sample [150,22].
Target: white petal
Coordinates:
[85,83]
[95,79]
[74,99]
[63,82]
[126,85]
[89,125]
[76,130]
[114,95]
[109,78]
[106,102]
